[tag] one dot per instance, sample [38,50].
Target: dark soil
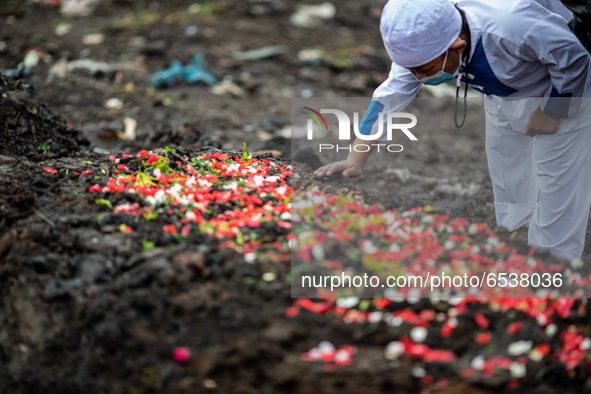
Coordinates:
[84,308]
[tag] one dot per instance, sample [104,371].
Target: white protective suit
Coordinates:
[524,49]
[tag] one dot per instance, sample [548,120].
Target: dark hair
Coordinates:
[465,28]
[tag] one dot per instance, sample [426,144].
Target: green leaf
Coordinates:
[364,304]
[148,245]
[150,216]
[106,203]
[245,154]
[144,179]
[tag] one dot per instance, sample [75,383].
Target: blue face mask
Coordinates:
[441,76]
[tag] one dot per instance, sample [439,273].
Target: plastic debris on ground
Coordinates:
[93,39]
[341,58]
[88,66]
[74,8]
[208,9]
[311,56]
[191,30]
[228,87]
[62,29]
[313,15]
[130,126]
[259,54]
[114,103]
[13,73]
[285,132]
[62,67]
[458,189]
[30,61]
[191,73]
[209,384]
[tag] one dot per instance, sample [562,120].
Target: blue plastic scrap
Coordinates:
[194,72]
[13,73]
[191,73]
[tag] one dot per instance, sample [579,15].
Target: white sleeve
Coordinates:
[558,8]
[393,95]
[551,42]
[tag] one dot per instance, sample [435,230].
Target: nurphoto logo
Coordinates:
[385,125]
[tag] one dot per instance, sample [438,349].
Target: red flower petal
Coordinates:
[96,188]
[482,338]
[447,329]
[418,350]
[170,229]
[514,328]
[181,354]
[481,321]
[292,312]
[544,349]
[283,224]
[513,384]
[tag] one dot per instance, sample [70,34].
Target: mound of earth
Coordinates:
[28,129]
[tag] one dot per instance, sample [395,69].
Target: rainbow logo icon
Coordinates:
[317,117]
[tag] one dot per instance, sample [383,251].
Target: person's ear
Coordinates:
[458,45]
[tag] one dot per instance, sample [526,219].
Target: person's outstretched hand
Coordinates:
[347,168]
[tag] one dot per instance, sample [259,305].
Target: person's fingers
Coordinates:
[321,171]
[345,170]
[343,167]
[337,167]
[331,169]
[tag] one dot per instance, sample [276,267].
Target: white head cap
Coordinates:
[417,32]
